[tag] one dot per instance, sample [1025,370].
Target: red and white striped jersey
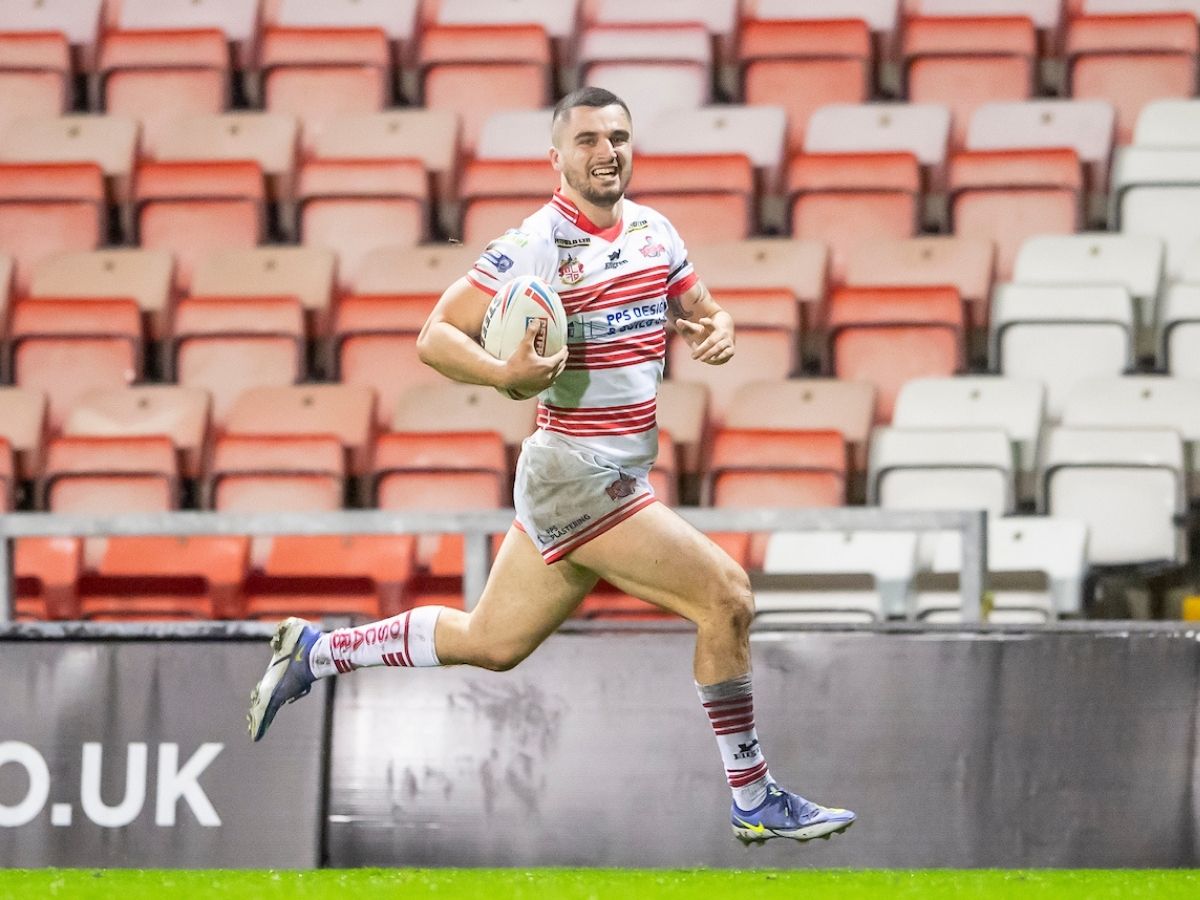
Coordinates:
[614,283]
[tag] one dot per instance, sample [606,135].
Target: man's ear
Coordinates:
[555,159]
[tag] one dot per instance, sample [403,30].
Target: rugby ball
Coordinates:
[523,300]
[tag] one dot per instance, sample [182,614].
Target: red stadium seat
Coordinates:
[229,344]
[276,473]
[373,349]
[498,194]
[47,570]
[101,475]
[1006,196]
[711,197]
[761,353]
[23,427]
[888,336]
[35,75]
[832,59]
[749,466]
[193,209]
[67,348]
[48,209]
[847,198]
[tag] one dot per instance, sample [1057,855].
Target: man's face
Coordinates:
[592,151]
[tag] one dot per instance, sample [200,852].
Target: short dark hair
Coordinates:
[586,96]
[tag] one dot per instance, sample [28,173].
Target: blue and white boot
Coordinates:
[288,676]
[787,815]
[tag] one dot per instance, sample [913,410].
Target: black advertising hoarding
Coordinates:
[135,753]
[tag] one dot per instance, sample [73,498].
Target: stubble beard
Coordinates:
[603,199]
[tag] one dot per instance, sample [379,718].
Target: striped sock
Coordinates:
[403,640]
[730,708]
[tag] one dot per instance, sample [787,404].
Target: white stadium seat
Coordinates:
[922,129]
[1168,123]
[1180,323]
[941,468]
[1156,192]
[516,134]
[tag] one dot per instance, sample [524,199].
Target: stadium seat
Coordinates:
[48,209]
[845,199]
[8,477]
[441,471]
[1061,335]
[1154,192]
[341,410]
[45,574]
[276,473]
[229,344]
[108,141]
[1131,60]
[373,353]
[353,206]
[832,59]
[424,270]
[920,129]
[306,273]
[178,413]
[317,74]
[683,414]
[710,198]
[1132,260]
[195,208]
[888,336]
[53,342]
[98,475]
[1127,485]
[824,576]
[1179,351]
[35,75]
[1168,123]
[753,467]
[967,264]
[478,70]
[237,20]
[143,276]
[1086,126]
[158,76]
[364,575]
[382,315]
[500,194]
[6,283]
[449,407]
[269,139]
[1014,405]
[880,15]
[1141,401]
[516,134]
[398,19]
[762,309]
[675,58]
[761,353]
[1007,196]
[1036,570]
[23,427]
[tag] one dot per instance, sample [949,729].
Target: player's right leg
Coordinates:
[524,601]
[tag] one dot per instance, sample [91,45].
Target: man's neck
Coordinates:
[600,216]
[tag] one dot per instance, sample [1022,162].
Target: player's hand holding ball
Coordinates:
[526,326]
[711,339]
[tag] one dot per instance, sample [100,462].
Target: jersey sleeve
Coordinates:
[513,254]
[681,277]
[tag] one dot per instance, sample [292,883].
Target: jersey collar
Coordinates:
[573,214]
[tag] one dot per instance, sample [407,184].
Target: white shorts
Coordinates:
[566,495]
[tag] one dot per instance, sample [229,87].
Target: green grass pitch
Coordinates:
[599,884]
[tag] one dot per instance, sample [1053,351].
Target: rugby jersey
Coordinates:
[614,284]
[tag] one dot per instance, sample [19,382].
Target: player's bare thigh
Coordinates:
[657,556]
[523,603]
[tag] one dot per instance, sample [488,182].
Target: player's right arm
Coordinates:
[449,343]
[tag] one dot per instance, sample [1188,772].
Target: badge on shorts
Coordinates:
[622,487]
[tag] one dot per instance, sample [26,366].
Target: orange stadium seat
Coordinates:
[498,194]
[316,74]
[178,413]
[965,62]
[48,209]
[753,467]
[228,344]
[761,353]
[46,571]
[425,270]
[353,206]
[100,475]
[831,59]
[35,75]
[8,476]
[78,21]
[1131,60]
[363,575]
[847,198]
[156,77]
[23,427]
[477,70]
[195,208]
[1006,196]
[399,19]
[6,283]
[143,276]
[888,336]
[373,352]
[711,198]
[66,348]
[342,410]
[237,20]
[276,473]
[683,414]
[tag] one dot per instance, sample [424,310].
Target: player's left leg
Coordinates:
[657,556]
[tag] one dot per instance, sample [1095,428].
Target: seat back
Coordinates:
[917,468]
[276,473]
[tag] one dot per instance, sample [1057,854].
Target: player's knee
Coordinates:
[502,657]
[732,601]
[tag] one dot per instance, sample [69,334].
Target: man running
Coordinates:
[585,509]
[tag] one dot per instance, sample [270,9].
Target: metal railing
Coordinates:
[478,527]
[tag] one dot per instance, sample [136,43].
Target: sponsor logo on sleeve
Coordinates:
[638,225]
[652,248]
[498,260]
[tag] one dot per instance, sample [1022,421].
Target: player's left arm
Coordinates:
[702,322]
